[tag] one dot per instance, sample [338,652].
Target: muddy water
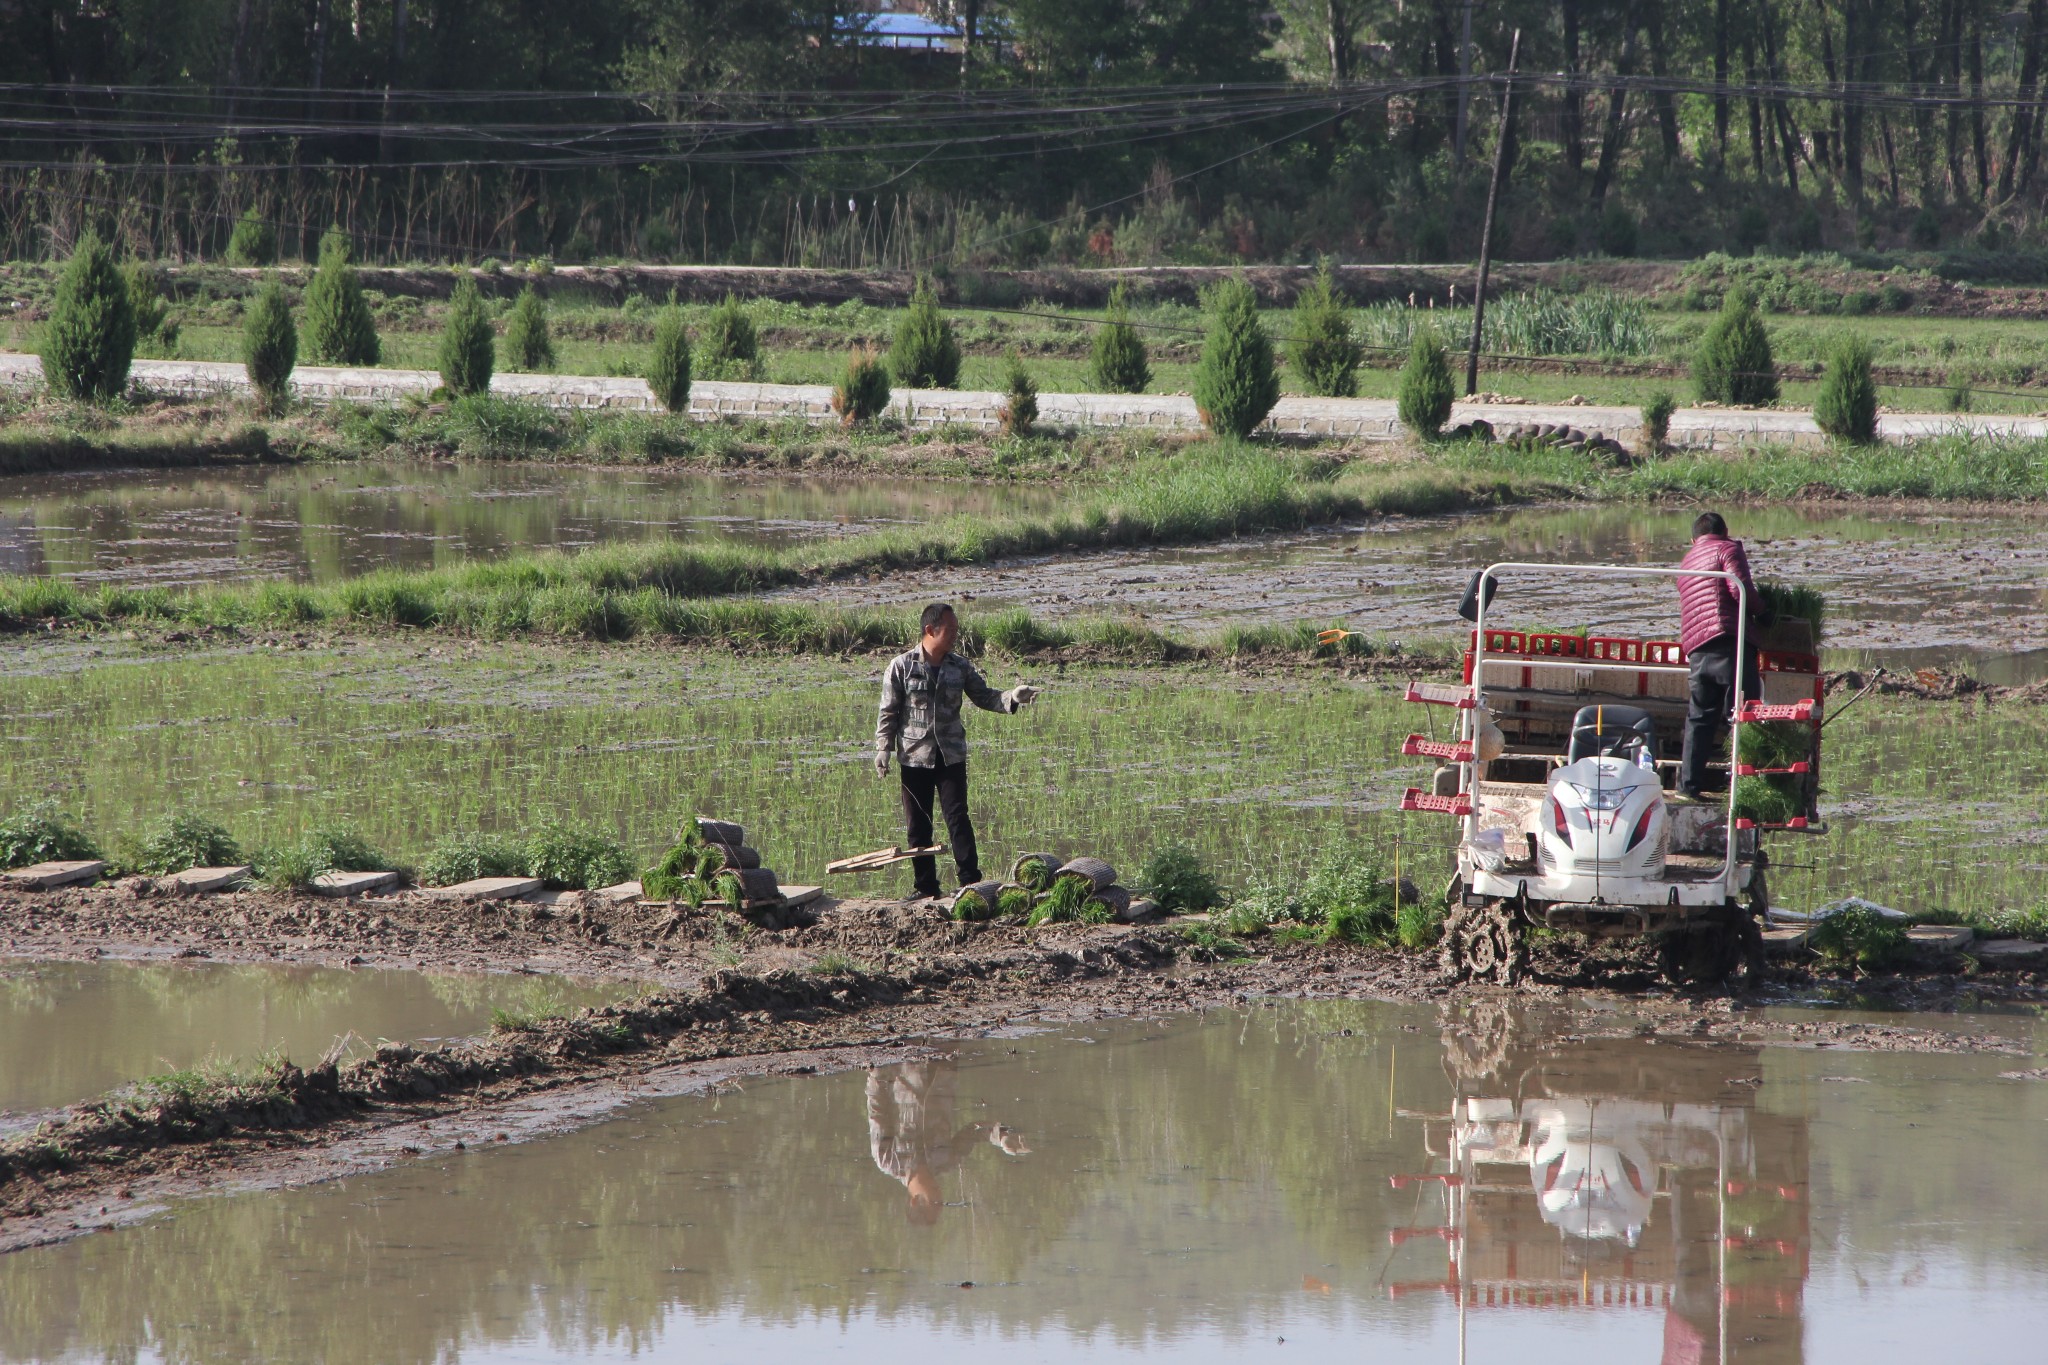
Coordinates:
[71,1030]
[1264,1184]
[328,521]
[1914,591]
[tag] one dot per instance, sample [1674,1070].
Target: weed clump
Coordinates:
[42,833]
[183,840]
[728,344]
[1345,896]
[924,354]
[462,858]
[1117,360]
[1174,878]
[1020,404]
[468,355]
[1657,410]
[668,369]
[863,394]
[1426,388]
[89,341]
[575,857]
[270,348]
[1858,937]
[293,866]
[1236,381]
[1734,364]
[154,325]
[340,329]
[529,343]
[1326,355]
[1846,407]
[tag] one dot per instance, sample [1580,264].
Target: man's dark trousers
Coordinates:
[945,785]
[1711,702]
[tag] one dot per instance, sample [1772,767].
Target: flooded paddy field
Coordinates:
[1302,1180]
[321,522]
[1913,590]
[1932,805]
[71,1030]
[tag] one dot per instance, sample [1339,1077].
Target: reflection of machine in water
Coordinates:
[1619,1174]
[911,1134]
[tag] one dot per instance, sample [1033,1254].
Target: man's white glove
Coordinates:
[1024,694]
[881,765]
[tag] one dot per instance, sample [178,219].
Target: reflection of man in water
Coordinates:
[911,1133]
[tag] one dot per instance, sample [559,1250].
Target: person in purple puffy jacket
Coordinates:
[1708,611]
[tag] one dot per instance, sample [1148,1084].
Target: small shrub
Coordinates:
[1350,894]
[270,348]
[154,325]
[340,328]
[668,368]
[1734,363]
[529,345]
[1432,241]
[1657,410]
[465,857]
[1958,396]
[1846,407]
[1117,360]
[1208,943]
[1618,231]
[468,355]
[89,341]
[42,834]
[728,345]
[1325,354]
[1926,232]
[575,857]
[183,840]
[924,354]
[1806,230]
[1020,403]
[1856,936]
[1752,229]
[863,395]
[1426,387]
[1896,298]
[1173,876]
[1236,381]
[1418,923]
[253,242]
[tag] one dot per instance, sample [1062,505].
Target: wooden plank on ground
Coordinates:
[1944,938]
[198,879]
[44,876]
[488,889]
[883,857]
[353,883]
[2010,952]
[1784,941]
[793,896]
[625,893]
[553,900]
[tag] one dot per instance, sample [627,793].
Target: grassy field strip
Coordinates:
[1341,418]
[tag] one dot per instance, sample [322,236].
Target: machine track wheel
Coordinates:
[1484,943]
[1710,948]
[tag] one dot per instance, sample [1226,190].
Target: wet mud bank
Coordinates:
[859,984]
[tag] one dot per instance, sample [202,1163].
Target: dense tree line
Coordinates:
[737,130]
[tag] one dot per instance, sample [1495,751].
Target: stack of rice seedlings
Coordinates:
[979,901]
[1035,871]
[1084,891]
[711,858]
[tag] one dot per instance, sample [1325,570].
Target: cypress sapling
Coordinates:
[1734,362]
[253,242]
[89,340]
[1846,407]
[1236,381]
[154,325]
[728,345]
[861,396]
[340,329]
[468,354]
[1657,410]
[1020,404]
[1118,358]
[270,348]
[668,369]
[924,354]
[1426,387]
[1326,355]
[529,345]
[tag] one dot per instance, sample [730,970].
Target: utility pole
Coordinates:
[1500,166]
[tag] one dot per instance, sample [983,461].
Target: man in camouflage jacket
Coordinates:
[920,724]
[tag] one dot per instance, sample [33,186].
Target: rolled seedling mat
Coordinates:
[1035,871]
[1114,899]
[1093,871]
[988,891]
[757,886]
[720,832]
[1139,909]
[739,856]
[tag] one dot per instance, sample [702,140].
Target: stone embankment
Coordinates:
[1368,419]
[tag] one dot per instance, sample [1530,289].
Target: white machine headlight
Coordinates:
[1602,798]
